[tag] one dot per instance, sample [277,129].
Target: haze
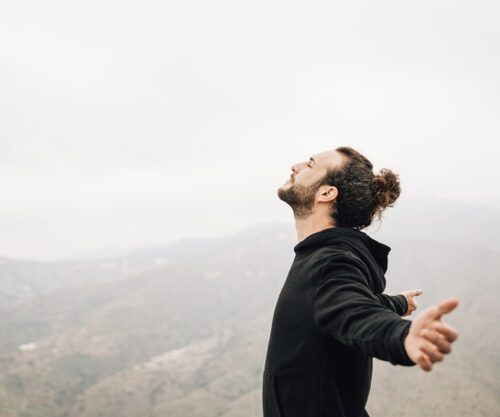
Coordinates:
[126,123]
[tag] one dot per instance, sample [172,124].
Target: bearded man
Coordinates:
[331,317]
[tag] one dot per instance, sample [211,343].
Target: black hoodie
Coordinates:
[330,320]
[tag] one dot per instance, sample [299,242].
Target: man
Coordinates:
[331,317]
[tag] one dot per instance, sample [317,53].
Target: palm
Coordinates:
[429,338]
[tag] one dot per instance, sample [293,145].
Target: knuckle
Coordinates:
[445,349]
[436,325]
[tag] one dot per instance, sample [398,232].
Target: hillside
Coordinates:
[187,336]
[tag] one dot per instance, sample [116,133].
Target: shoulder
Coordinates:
[343,261]
[337,259]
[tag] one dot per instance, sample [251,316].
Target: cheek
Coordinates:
[306,173]
[309,177]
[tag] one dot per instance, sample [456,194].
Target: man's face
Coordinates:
[301,189]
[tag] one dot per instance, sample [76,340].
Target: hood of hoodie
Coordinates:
[373,253]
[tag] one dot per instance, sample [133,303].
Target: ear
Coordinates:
[328,193]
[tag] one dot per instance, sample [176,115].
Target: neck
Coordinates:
[310,225]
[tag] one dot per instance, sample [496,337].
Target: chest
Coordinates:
[294,306]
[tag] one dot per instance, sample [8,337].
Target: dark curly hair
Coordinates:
[362,195]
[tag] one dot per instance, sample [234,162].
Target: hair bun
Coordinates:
[386,187]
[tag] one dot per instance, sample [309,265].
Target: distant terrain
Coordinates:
[181,330]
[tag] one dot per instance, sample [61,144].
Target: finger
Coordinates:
[431,350]
[412,293]
[424,362]
[437,339]
[443,307]
[446,330]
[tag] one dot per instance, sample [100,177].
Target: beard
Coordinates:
[300,198]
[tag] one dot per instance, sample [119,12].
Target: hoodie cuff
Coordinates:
[396,347]
[403,305]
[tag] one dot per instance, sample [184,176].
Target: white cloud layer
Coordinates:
[124,123]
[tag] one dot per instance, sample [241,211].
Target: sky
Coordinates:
[133,123]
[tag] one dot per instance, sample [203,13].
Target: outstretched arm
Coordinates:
[403,303]
[412,304]
[396,303]
[346,309]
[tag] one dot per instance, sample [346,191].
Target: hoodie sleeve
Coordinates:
[396,303]
[346,309]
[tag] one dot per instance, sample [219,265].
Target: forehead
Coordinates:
[328,159]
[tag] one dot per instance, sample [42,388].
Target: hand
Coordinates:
[412,305]
[429,339]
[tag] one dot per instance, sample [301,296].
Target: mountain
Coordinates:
[132,336]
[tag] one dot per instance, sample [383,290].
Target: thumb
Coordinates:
[444,307]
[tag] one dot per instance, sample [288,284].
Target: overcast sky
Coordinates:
[127,123]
